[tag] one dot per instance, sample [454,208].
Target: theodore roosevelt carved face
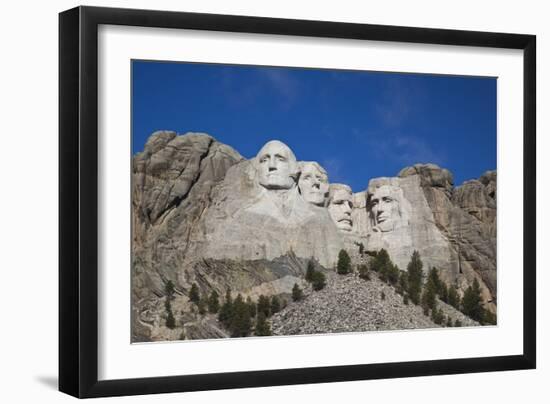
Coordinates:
[313,183]
[340,204]
[277,166]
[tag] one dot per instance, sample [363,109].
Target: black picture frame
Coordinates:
[78,201]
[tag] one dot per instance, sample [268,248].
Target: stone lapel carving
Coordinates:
[313,183]
[340,205]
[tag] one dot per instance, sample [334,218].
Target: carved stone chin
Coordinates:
[313,183]
[276,166]
[340,206]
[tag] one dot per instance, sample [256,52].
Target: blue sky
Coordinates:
[358,125]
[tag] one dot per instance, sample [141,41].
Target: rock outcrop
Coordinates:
[466,218]
[171,183]
[204,215]
[248,222]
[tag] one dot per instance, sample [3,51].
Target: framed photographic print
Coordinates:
[250,201]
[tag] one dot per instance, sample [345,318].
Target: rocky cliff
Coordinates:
[202,214]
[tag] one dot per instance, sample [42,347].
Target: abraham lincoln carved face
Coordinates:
[383,203]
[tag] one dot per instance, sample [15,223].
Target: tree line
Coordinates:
[414,288]
[242,317]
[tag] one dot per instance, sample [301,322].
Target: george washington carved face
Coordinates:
[277,166]
[313,183]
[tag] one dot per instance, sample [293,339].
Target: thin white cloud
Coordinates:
[334,168]
[283,83]
[404,149]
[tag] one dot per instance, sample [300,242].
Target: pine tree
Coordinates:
[263,327]
[202,305]
[428,297]
[392,273]
[440,286]
[319,281]
[458,323]
[226,311]
[382,295]
[169,289]
[275,305]
[489,317]
[403,284]
[433,278]
[240,323]
[361,248]
[297,293]
[414,271]
[453,298]
[264,305]
[444,292]
[471,302]
[380,263]
[213,302]
[449,321]
[194,293]
[406,299]
[170,320]
[363,272]
[251,307]
[437,316]
[310,271]
[343,266]
[383,264]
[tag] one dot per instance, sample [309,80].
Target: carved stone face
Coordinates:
[384,208]
[277,166]
[313,183]
[340,205]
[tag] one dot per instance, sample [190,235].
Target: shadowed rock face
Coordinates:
[466,218]
[203,214]
[171,183]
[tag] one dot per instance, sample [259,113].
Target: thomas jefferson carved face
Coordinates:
[384,207]
[340,205]
[277,166]
[313,183]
